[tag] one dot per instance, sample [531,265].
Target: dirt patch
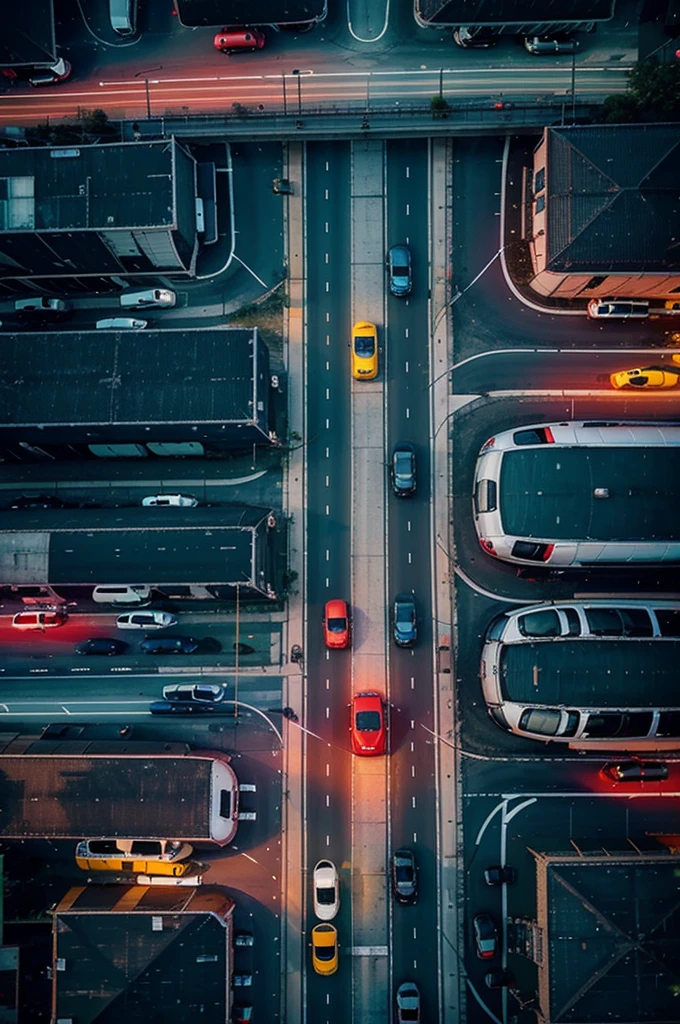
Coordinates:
[267,315]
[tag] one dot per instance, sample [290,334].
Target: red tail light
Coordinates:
[487,444]
[487,546]
[549,548]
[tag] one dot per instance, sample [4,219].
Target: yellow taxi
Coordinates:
[325,948]
[364,351]
[649,378]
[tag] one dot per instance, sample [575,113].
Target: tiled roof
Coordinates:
[613,199]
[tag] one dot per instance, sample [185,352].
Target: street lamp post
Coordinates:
[573,87]
[148,99]
[285,104]
[237,647]
[296,72]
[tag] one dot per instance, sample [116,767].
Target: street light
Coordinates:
[296,72]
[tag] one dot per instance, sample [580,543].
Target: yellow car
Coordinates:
[364,351]
[325,948]
[649,378]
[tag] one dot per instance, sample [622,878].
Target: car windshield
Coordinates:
[325,952]
[364,346]
[404,872]
[337,625]
[368,721]
[325,895]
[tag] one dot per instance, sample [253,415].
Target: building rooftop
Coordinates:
[249,12]
[138,797]
[547,493]
[143,955]
[27,37]
[91,187]
[209,546]
[123,377]
[613,199]
[592,673]
[508,12]
[610,935]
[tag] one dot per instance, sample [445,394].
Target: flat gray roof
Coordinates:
[77,797]
[547,493]
[592,673]
[129,546]
[610,927]
[179,375]
[103,187]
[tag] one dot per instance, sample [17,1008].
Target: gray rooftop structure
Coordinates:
[208,386]
[548,493]
[116,208]
[143,955]
[608,932]
[27,37]
[613,199]
[529,15]
[600,673]
[250,12]
[220,546]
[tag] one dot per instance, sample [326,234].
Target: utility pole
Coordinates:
[236,645]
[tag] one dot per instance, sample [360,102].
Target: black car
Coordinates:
[182,707]
[101,645]
[403,470]
[404,628]
[27,501]
[636,771]
[498,979]
[169,645]
[498,875]
[404,876]
[486,936]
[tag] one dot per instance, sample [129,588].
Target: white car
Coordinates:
[149,298]
[178,500]
[146,620]
[209,693]
[326,890]
[39,620]
[121,323]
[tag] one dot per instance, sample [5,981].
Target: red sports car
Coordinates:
[368,724]
[336,624]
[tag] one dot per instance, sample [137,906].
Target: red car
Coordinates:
[368,724]
[336,624]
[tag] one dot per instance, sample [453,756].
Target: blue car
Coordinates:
[404,628]
[399,270]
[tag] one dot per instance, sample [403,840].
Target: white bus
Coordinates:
[580,494]
[594,674]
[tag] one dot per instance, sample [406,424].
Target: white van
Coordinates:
[136,595]
[147,299]
[123,16]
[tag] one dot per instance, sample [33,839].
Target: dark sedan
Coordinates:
[404,876]
[404,626]
[101,645]
[486,936]
[403,470]
[169,645]
[183,707]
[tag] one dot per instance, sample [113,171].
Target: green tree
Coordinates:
[439,106]
[96,122]
[653,94]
